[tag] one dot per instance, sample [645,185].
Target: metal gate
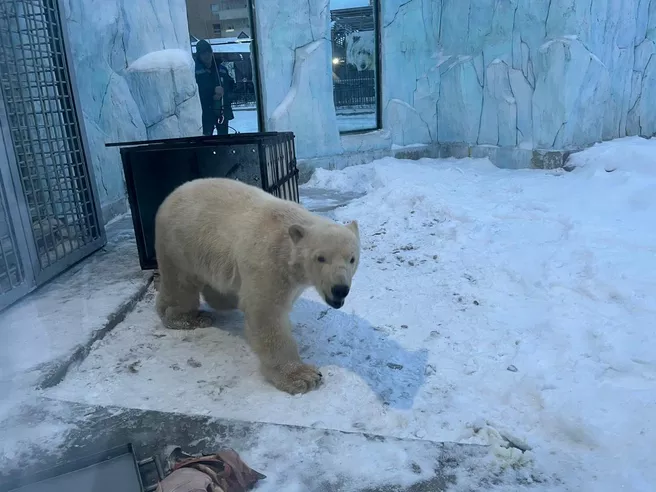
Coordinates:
[49,212]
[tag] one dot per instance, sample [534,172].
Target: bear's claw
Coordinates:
[295,378]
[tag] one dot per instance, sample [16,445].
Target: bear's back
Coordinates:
[223,195]
[230,207]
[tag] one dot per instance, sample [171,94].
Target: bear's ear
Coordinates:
[353,225]
[296,232]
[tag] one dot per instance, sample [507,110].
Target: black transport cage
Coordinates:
[154,168]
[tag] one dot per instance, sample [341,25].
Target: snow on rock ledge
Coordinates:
[163,86]
[105,37]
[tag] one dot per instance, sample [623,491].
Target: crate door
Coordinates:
[48,159]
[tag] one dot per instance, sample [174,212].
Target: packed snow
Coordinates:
[24,436]
[509,308]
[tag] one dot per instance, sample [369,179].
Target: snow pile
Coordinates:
[342,469]
[359,179]
[169,59]
[508,308]
[163,86]
[634,155]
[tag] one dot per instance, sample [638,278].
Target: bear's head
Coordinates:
[330,256]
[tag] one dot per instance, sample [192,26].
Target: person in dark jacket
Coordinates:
[215,89]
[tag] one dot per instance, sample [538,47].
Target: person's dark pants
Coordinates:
[211,121]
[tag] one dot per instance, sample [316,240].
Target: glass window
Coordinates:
[355,67]
[233,108]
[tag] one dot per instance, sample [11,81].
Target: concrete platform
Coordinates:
[292,458]
[54,328]
[50,329]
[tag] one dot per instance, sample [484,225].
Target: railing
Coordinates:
[354,92]
[243,95]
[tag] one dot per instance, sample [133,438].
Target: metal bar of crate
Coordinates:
[235,138]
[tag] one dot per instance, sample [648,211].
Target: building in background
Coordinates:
[211,19]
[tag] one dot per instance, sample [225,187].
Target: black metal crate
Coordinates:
[154,168]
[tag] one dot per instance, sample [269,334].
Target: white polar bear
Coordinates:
[246,249]
[360,50]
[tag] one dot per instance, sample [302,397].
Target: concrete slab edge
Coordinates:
[55,372]
[502,157]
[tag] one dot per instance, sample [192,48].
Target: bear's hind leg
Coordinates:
[178,301]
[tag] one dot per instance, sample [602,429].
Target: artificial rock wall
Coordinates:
[502,78]
[133,80]
[479,75]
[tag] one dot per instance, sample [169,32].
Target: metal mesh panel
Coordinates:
[281,172]
[45,132]
[11,271]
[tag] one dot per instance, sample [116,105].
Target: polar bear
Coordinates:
[360,50]
[245,249]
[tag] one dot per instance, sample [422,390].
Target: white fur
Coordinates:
[246,249]
[361,50]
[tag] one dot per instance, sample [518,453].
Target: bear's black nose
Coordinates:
[339,291]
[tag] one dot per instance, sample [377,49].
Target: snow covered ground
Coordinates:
[511,308]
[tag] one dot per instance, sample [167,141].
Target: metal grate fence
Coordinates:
[279,167]
[12,275]
[50,172]
[356,92]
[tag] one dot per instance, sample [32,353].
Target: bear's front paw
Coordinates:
[295,377]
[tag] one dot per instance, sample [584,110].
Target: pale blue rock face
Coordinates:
[295,61]
[518,73]
[461,100]
[106,37]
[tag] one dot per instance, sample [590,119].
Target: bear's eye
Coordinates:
[352,259]
[321,259]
